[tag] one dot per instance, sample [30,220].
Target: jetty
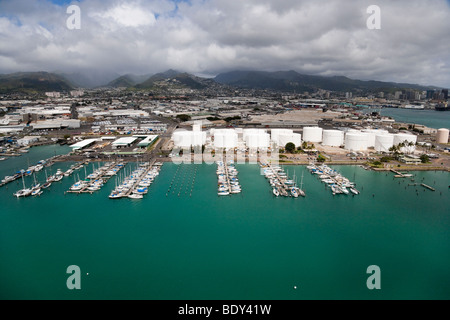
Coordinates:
[280,182]
[427,186]
[135,186]
[97,178]
[228,182]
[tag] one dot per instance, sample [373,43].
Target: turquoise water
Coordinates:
[171,245]
[429,118]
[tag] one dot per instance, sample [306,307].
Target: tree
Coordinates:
[304,145]
[321,158]
[184,117]
[424,158]
[290,147]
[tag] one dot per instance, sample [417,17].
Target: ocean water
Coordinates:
[182,241]
[429,118]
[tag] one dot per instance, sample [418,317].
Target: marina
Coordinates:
[335,181]
[169,237]
[30,170]
[280,182]
[228,182]
[136,185]
[95,181]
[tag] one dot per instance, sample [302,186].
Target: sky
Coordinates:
[207,37]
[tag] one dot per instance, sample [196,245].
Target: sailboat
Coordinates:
[276,192]
[300,190]
[25,192]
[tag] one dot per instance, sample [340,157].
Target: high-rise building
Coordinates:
[445,93]
[430,94]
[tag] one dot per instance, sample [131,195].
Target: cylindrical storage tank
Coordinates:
[383,142]
[251,140]
[179,138]
[198,138]
[230,140]
[372,133]
[442,136]
[404,137]
[356,141]
[333,138]
[295,138]
[218,140]
[263,140]
[275,134]
[312,134]
[186,139]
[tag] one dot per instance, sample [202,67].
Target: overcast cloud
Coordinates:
[326,37]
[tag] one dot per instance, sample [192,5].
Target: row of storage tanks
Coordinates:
[230,138]
[355,140]
[352,140]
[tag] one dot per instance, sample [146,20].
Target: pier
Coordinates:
[136,185]
[279,182]
[227,179]
[98,178]
[30,170]
[427,186]
[139,179]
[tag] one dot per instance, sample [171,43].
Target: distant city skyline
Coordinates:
[209,37]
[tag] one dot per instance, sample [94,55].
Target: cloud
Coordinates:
[326,37]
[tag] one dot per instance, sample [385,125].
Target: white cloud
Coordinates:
[143,36]
[127,15]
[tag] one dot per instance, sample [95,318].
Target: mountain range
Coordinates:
[282,81]
[33,82]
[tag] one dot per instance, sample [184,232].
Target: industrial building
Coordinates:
[123,142]
[83,144]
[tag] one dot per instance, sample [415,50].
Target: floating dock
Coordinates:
[98,178]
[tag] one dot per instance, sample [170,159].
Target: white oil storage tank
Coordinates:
[442,136]
[295,138]
[333,138]
[404,137]
[356,141]
[372,133]
[312,134]
[383,142]
[275,134]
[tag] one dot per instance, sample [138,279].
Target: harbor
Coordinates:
[337,183]
[291,231]
[95,181]
[30,170]
[227,180]
[280,182]
[136,185]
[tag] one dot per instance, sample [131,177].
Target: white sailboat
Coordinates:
[25,192]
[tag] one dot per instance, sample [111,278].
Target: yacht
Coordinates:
[276,192]
[23,193]
[78,186]
[344,189]
[135,196]
[294,193]
[354,190]
[116,195]
[8,179]
[46,185]
[36,192]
